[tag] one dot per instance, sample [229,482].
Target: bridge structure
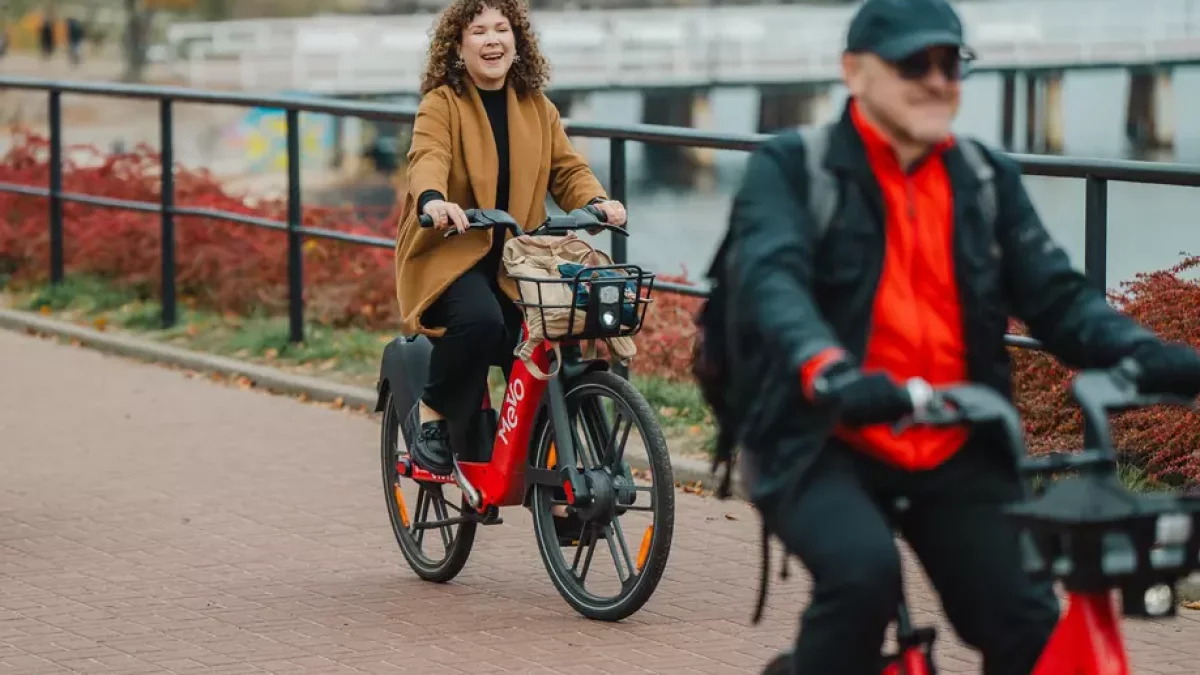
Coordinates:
[676,57]
[676,48]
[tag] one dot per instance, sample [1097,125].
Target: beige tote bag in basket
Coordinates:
[549,302]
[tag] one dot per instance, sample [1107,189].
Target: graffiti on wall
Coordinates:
[260,136]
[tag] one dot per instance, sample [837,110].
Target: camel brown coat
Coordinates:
[453,152]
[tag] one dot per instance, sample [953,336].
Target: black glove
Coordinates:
[1168,368]
[861,398]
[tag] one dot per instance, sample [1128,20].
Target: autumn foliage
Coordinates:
[238,268]
[220,264]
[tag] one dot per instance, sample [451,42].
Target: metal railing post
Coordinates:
[616,173]
[1095,251]
[616,178]
[54,115]
[295,242]
[167,203]
[1095,243]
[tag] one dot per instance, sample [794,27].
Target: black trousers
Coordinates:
[482,329]
[837,524]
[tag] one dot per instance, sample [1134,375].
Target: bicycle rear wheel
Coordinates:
[604,411]
[439,563]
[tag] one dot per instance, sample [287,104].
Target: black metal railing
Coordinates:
[1096,173]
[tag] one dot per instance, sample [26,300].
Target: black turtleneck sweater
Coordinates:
[495,103]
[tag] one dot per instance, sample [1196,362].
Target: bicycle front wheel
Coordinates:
[612,423]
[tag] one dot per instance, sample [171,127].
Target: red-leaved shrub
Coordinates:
[220,264]
[1166,441]
[237,268]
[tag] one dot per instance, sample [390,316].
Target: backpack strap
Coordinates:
[823,195]
[976,158]
[822,184]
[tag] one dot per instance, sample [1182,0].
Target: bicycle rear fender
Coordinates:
[403,371]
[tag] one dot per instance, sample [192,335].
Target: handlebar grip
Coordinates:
[425,220]
[597,213]
[920,393]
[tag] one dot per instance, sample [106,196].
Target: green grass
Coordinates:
[350,355]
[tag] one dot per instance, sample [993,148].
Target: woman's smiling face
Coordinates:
[487,48]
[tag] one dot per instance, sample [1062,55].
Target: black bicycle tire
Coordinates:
[664,494]
[464,538]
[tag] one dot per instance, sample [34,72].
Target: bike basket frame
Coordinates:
[599,306]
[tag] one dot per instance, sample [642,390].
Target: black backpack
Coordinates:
[715,334]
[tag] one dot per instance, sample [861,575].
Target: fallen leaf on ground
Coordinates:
[1192,605]
[100,323]
[730,516]
[271,353]
[245,383]
[303,397]
[44,309]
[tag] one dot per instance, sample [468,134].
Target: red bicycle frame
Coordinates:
[501,481]
[912,662]
[1087,640]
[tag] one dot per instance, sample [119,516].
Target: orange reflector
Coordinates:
[644,552]
[552,459]
[400,503]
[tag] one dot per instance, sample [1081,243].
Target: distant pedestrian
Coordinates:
[47,35]
[75,35]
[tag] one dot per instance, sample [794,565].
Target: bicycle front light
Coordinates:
[1159,600]
[610,305]
[1173,529]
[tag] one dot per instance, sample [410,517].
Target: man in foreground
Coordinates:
[916,276]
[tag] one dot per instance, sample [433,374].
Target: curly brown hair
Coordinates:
[529,73]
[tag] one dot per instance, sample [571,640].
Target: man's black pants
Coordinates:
[837,523]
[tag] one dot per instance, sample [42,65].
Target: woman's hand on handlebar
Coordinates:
[613,210]
[446,214]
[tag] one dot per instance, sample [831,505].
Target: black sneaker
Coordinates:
[431,448]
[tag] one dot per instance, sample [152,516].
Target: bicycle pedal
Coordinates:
[490,517]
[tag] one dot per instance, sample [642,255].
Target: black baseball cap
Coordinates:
[895,29]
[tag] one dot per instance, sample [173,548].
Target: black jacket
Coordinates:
[793,295]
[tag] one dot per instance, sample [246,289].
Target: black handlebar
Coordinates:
[1099,392]
[586,218]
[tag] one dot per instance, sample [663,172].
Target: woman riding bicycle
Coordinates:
[485,136]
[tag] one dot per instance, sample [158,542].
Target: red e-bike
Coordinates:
[557,446]
[1084,529]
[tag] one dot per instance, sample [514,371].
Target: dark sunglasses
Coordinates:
[953,64]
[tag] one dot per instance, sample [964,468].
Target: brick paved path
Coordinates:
[155,523]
